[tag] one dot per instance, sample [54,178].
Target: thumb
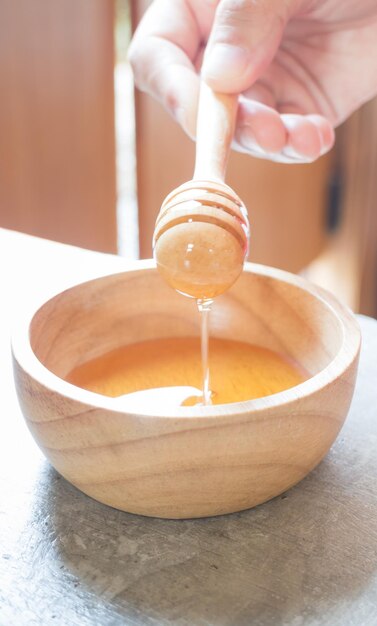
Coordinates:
[243,41]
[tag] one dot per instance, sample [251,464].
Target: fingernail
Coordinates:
[180,115]
[247,141]
[185,119]
[295,156]
[224,61]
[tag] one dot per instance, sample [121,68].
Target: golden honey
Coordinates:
[238,371]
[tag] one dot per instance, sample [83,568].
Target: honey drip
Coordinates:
[239,371]
[204,308]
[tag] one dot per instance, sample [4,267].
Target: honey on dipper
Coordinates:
[201,239]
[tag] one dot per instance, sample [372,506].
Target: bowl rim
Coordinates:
[349,349]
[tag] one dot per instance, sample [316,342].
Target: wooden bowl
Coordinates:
[191,461]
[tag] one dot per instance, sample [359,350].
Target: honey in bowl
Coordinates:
[239,371]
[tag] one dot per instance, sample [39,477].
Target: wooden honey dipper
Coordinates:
[201,235]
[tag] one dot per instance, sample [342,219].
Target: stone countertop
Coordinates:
[306,558]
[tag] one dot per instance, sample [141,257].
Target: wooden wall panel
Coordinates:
[348,266]
[57,149]
[287,208]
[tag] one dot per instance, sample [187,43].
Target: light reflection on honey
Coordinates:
[239,371]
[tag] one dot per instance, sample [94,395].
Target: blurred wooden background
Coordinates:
[57,157]
[57,154]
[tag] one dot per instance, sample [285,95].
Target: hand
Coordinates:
[301,66]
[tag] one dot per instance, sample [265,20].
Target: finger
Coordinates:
[286,156]
[164,72]
[309,136]
[259,126]
[326,130]
[287,138]
[243,41]
[303,141]
[261,92]
[161,55]
[172,23]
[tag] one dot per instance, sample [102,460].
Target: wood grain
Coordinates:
[195,461]
[215,126]
[57,148]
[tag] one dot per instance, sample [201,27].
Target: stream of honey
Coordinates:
[239,371]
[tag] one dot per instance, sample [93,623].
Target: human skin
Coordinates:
[301,67]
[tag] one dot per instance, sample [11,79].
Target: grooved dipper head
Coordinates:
[201,238]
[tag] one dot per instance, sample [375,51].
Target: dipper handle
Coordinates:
[214,133]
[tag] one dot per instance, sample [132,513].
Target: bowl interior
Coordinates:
[268,310]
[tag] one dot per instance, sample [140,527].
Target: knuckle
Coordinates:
[239,7]
[171,100]
[241,11]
